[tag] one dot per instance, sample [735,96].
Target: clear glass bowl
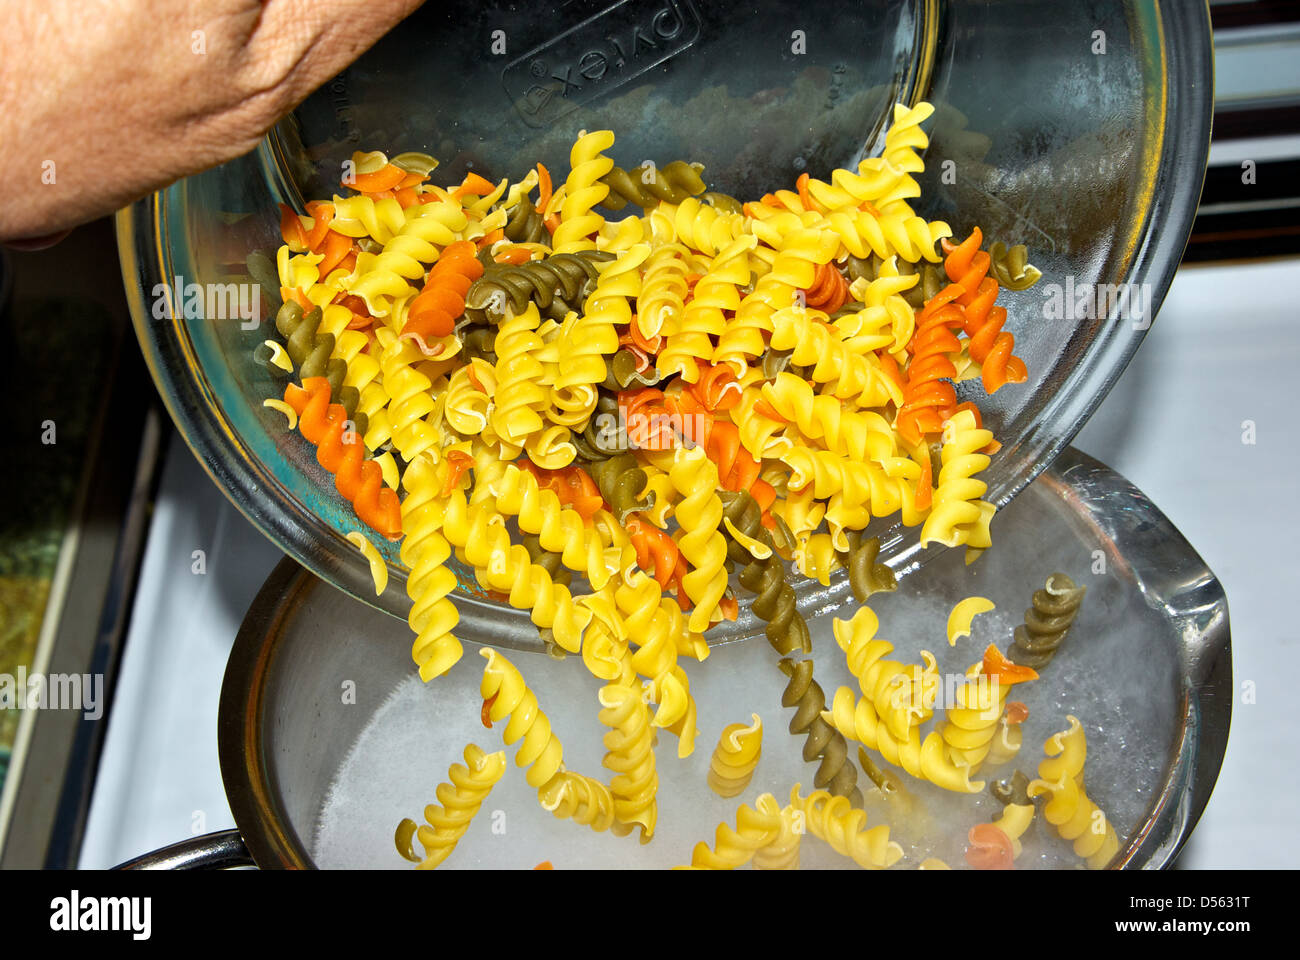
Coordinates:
[1094,159]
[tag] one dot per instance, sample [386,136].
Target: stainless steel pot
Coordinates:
[1148,665]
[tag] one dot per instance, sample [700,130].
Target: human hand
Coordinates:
[105,102]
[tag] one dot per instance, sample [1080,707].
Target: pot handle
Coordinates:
[212,851]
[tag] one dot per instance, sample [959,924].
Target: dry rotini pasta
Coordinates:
[614,424]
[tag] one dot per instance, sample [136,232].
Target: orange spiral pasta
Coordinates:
[967,267]
[657,552]
[829,290]
[737,470]
[434,311]
[360,480]
[928,395]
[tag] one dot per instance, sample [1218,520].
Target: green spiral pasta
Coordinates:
[526,223]
[787,631]
[835,773]
[886,781]
[553,564]
[866,576]
[743,512]
[1011,266]
[774,598]
[1012,789]
[1055,606]
[933,279]
[557,284]
[672,184]
[775,361]
[601,438]
[310,350]
[722,201]
[621,483]
[774,602]
[548,560]
[479,343]
[623,373]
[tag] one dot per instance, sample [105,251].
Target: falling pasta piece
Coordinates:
[959,620]
[290,414]
[378,568]
[735,757]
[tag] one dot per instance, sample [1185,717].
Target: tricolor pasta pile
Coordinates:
[615,424]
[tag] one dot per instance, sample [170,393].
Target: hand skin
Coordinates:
[110,99]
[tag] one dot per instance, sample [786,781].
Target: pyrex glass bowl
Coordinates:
[1079,129]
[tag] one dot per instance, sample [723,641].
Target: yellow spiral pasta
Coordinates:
[926,759]
[696,225]
[959,620]
[815,557]
[363,216]
[467,403]
[656,623]
[703,318]
[621,234]
[583,191]
[481,534]
[854,491]
[793,269]
[586,341]
[425,551]
[886,319]
[558,530]
[905,137]
[859,435]
[1006,742]
[458,801]
[572,406]
[605,650]
[425,228]
[735,847]
[584,800]
[1014,821]
[510,697]
[903,695]
[801,511]
[782,853]
[378,568]
[844,828]
[665,496]
[850,374]
[550,448]
[631,757]
[972,720]
[760,434]
[956,513]
[1068,808]
[932,863]
[660,304]
[875,182]
[521,394]
[699,514]
[413,413]
[735,757]
[896,231]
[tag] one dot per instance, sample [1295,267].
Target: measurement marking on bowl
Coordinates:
[598,56]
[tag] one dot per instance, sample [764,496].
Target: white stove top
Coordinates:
[1224,350]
